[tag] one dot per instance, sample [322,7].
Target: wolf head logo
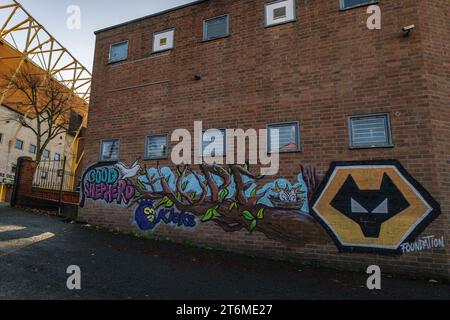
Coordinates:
[370,208]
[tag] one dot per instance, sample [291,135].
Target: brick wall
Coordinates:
[434,17]
[319,70]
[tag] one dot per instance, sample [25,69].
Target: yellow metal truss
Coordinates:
[26,40]
[19,30]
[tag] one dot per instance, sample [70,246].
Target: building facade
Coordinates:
[17,141]
[362,116]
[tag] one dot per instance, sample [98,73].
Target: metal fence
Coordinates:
[53,175]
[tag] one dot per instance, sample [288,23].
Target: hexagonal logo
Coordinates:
[372,206]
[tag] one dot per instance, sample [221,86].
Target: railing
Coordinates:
[52,175]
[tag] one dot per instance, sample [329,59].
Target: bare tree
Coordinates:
[43,105]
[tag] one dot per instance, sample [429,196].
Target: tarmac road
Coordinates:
[35,252]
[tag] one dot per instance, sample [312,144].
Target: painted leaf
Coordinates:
[248,215]
[216,214]
[224,194]
[163,201]
[169,204]
[260,214]
[233,206]
[179,197]
[253,194]
[193,195]
[208,215]
[253,225]
[140,185]
[184,185]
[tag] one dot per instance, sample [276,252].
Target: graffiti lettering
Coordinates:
[120,192]
[106,183]
[148,218]
[426,243]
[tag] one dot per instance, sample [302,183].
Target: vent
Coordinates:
[279,13]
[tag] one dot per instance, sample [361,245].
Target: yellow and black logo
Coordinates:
[372,206]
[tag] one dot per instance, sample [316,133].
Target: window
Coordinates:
[370,131]
[13,168]
[157,147]
[163,40]
[288,137]
[214,143]
[46,154]
[109,150]
[348,4]
[280,11]
[1,137]
[216,28]
[118,52]
[57,157]
[32,149]
[19,144]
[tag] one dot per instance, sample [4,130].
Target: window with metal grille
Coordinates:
[214,143]
[57,157]
[46,154]
[279,12]
[216,28]
[348,4]
[109,150]
[118,52]
[285,135]
[370,131]
[157,147]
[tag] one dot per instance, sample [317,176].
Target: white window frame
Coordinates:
[147,155]
[154,50]
[287,20]
[101,150]
[283,124]
[389,143]
[116,44]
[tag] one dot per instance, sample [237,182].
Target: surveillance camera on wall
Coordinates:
[406,30]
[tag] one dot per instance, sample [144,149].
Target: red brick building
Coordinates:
[336,89]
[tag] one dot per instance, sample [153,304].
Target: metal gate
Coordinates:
[53,175]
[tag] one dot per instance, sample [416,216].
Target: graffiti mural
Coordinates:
[372,206]
[231,197]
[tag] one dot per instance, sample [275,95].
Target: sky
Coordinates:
[95,15]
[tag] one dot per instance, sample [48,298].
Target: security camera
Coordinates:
[407,30]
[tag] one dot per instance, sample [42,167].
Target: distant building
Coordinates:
[29,45]
[16,141]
